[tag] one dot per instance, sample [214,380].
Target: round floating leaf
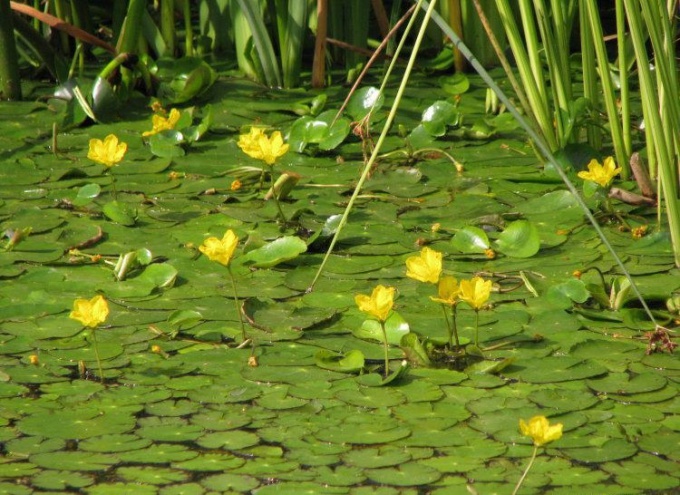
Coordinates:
[554,370]
[373,397]
[278,251]
[564,295]
[60,480]
[623,383]
[229,440]
[438,116]
[113,443]
[152,475]
[227,482]
[120,213]
[395,328]
[211,462]
[76,423]
[611,450]
[299,488]
[363,434]
[75,461]
[363,100]
[86,194]
[159,454]
[408,474]
[519,239]
[648,482]
[470,240]
[377,457]
[563,400]
[159,275]
[663,442]
[349,362]
[456,84]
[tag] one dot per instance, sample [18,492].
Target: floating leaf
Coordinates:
[349,362]
[470,239]
[276,252]
[519,240]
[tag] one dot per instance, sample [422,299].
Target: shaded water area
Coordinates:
[184,411]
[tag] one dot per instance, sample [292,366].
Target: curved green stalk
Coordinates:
[543,149]
[381,139]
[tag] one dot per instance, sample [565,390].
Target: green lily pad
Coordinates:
[470,240]
[279,251]
[395,328]
[519,239]
[349,362]
[611,450]
[75,461]
[408,474]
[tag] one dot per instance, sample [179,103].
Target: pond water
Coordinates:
[184,410]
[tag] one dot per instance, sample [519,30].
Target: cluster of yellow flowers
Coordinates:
[427,267]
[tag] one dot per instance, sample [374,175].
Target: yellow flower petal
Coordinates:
[222,250]
[425,268]
[160,123]
[258,145]
[378,304]
[448,290]
[601,174]
[475,292]
[90,312]
[108,152]
[540,430]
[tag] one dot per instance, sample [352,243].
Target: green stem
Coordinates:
[455,324]
[10,80]
[113,185]
[275,195]
[524,474]
[477,327]
[544,149]
[448,326]
[96,354]
[238,305]
[376,150]
[386,347]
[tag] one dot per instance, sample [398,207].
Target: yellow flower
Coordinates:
[378,304]
[540,430]
[258,145]
[236,185]
[108,152]
[448,291]
[220,250]
[160,123]
[475,291]
[600,174]
[90,313]
[425,268]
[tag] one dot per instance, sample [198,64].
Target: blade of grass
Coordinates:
[661,108]
[262,42]
[386,127]
[544,149]
[608,91]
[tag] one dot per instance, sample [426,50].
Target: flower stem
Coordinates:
[455,325]
[96,354]
[238,305]
[524,475]
[276,198]
[448,326]
[385,346]
[113,185]
[477,327]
